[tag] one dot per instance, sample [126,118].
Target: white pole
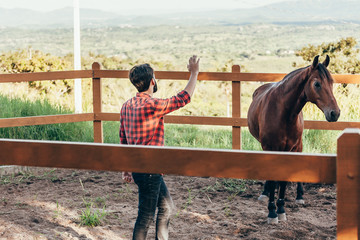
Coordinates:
[77,57]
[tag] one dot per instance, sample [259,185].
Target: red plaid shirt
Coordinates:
[142,118]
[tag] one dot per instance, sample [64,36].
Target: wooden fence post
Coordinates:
[236,109]
[97,108]
[348,184]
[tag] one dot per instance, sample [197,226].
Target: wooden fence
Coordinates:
[343,168]
[236,121]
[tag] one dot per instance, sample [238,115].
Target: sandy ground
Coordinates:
[47,204]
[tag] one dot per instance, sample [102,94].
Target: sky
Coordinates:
[140,6]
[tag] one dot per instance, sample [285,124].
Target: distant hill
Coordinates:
[299,11]
[57,18]
[294,12]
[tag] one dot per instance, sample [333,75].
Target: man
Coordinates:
[142,123]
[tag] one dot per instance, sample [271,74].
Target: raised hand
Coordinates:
[193,65]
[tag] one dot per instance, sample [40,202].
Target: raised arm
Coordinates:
[193,67]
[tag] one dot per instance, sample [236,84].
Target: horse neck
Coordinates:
[292,87]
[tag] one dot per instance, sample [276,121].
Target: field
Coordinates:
[218,46]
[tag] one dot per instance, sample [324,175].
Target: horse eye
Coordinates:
[317,85]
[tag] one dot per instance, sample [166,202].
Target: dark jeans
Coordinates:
[153,194]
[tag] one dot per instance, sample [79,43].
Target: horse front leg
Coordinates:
[272,216]
[299,193]
[280,203]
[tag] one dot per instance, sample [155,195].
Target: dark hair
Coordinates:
[140,76]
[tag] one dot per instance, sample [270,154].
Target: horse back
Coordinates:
[262,89]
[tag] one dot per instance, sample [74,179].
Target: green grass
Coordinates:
[57,132]
[197,136]
[315,141]
[92,217]
[320,141]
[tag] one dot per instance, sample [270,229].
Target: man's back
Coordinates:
[141,118]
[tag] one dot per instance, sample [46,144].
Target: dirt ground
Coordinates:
[47,204]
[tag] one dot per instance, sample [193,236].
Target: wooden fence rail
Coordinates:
[343,168]
[313,168]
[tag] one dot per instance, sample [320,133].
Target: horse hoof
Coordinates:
[263,198]
[282,216]
[273,220]
[300,201]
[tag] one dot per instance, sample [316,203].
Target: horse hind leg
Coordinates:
[299,189]
[299,194]
[272,216]
[264,197]
[280,203]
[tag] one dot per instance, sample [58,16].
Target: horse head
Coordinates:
[319,89]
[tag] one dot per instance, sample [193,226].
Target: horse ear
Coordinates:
[315,62]
[327,61]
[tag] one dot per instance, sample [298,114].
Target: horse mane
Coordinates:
[293,73]
[324,73]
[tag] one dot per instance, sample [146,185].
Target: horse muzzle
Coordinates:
[332,115]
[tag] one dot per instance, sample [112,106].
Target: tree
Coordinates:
[343,54]
[29,60]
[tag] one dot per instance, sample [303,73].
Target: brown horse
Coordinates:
[275,118]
